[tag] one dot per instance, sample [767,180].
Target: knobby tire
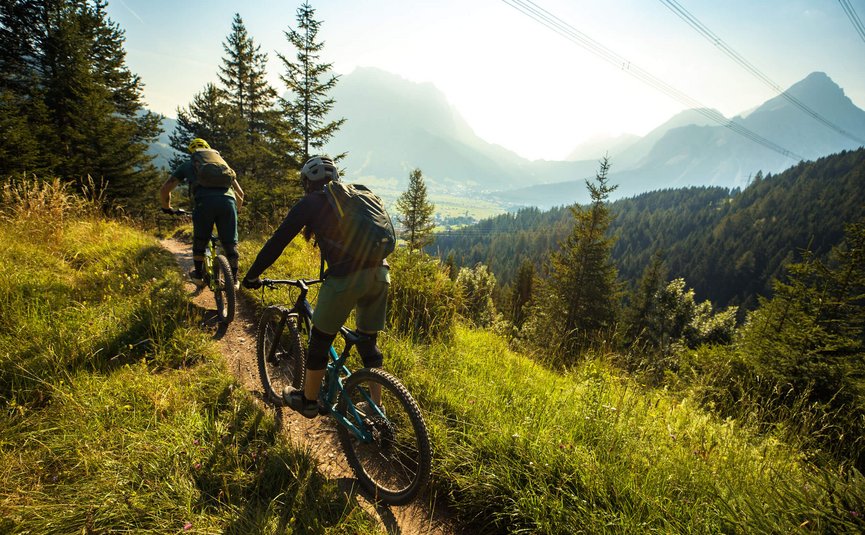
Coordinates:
[395,466]
[223,289]
[280,353]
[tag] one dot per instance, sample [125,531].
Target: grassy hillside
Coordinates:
[522,448]
[118,414]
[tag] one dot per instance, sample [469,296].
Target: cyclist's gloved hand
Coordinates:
[168,211]
[252,284]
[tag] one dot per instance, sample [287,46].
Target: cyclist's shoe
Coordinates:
[196,279]
[294,398]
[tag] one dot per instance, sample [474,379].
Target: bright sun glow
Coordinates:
[518,83]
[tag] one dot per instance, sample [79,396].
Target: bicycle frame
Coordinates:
[336,371]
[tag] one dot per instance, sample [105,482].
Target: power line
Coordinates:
[854,18]
[701,28]
[544,17]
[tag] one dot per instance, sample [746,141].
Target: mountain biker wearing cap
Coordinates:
[347,285]
[212,206]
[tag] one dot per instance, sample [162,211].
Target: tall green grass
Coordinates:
[117,413]
[521,448]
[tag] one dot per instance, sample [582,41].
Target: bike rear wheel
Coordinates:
[395,464]
[223,289]
[280,353]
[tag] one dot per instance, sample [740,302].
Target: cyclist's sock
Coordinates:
[198,267]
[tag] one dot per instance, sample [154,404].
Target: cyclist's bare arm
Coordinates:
[165,192]
[238,193]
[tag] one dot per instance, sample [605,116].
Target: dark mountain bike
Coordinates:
[217,277]
[386,443]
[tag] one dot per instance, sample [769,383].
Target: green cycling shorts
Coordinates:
[365,290]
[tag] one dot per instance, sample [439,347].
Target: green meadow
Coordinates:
[119,415]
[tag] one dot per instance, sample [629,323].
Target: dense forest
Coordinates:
[71,108]
[727,244]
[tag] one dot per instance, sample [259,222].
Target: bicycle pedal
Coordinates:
[323,410]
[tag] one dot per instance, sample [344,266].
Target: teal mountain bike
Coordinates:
[386,443]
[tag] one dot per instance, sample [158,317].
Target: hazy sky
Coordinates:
[516,82]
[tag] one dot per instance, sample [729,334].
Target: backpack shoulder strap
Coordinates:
[321,272]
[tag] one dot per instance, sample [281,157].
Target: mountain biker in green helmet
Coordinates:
[213,205]
[348,285]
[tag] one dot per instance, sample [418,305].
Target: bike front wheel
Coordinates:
[390,453]
[223,289]
[280,353]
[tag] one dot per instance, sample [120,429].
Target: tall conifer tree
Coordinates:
[64,63]
[416,213]
[309,82]
[208,116]
[521,292]
[641,315]
[583,276]
[244,75]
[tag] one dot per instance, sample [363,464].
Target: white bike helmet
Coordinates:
[319,169]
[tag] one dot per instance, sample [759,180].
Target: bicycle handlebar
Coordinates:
[297,283]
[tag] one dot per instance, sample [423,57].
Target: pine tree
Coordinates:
[583,277]
[64,61]
[805,347]
[211,117]
[451,266]
[640,315]
[260,155]
[309,83]
[239,118]
[416,213]
[24,118]
[812,331]
[521,293]
[243,74]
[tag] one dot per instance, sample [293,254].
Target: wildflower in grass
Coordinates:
[187,526]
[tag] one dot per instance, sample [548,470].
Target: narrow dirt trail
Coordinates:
[318,436]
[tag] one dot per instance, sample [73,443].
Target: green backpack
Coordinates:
[211,171]
[366,231]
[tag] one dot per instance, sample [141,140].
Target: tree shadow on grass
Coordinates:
[279,489]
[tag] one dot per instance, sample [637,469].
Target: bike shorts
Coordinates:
[364,290]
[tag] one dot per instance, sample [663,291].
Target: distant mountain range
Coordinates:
[161,149]
[395,125]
